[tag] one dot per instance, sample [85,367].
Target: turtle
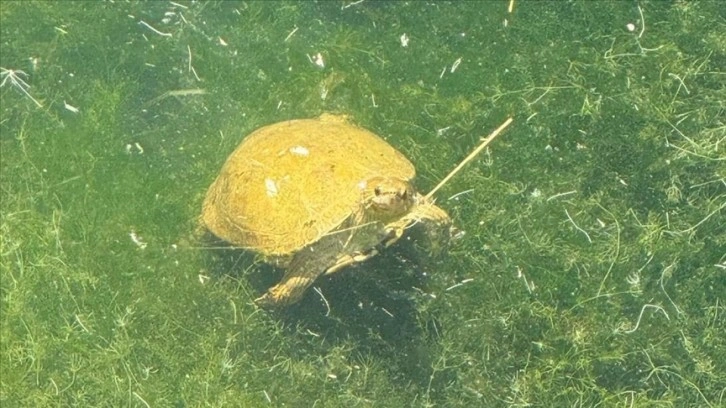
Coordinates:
[313,196]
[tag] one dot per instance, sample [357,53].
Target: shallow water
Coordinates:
[591,271]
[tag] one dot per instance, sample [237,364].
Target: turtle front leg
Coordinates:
[347,260]
[290,290]
[297,279]
[305,267]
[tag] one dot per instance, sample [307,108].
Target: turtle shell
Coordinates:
[290,183]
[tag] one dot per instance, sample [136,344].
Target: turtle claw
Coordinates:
[265,301]
[290,290]
[271,302]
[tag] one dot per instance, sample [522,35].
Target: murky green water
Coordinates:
[591,272]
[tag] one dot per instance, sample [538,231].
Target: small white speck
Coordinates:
[34,62]
[70,107]
[630,27]
[134,148]
[271,187]
[317,59]
[404,40]
[222,42]
[299,151]
[137,240]
[455,65]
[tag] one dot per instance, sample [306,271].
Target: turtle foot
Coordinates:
[285,293]
[268,301]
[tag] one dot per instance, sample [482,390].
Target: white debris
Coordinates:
[404,40]
[317,59]
[134,148]
[70,107]
[271,187]
[465,281]
[137,240]
[455,65]
[299,151]
[294,30]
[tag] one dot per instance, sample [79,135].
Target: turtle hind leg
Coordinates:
[304,269]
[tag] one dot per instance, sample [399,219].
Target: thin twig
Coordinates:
[145,24]
[471,156]
[660,281]
[578,228]
[637,324]
[617,250]
[327,305]
[561,194]
[190,67]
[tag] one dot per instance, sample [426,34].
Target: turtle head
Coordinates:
[386,198]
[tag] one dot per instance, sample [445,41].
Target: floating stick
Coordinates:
[471,156]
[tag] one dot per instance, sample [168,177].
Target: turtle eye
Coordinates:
[377,191]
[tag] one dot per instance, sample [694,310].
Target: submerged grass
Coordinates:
[591,273]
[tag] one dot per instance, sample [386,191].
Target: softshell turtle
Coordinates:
[313,196]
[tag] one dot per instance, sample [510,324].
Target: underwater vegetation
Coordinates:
[590,272]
